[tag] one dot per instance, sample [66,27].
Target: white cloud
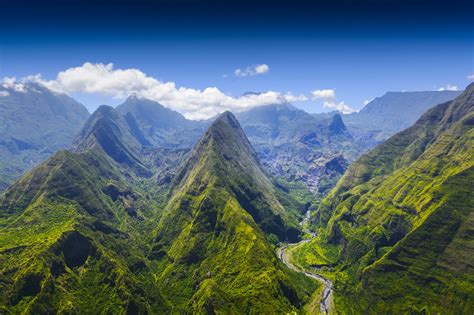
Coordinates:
[253,70]
[324,94]
[4,93]
[13,84]
[104,79]
[289,97]
[448,87]
[470,77]
[328,97]
[343,108]
[263,68]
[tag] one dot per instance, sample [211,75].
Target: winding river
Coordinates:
[325,302]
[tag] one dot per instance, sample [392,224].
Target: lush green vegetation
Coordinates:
[210,244]
[397,230]
[69,244]
[90,230]
[104,227]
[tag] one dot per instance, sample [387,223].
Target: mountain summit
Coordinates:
[225,155]
[337,125]
[215,225]
[160,125]
[107,130]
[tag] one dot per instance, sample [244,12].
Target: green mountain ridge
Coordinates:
[124,224]
[82,248]
[81,232]
[397,229]
[211,231]
[109,131]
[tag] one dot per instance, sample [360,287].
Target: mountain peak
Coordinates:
[228,138]
[108,130]
[223,202]
[104,110]
[337,125]
[227,118]
[132,97]
[225,155]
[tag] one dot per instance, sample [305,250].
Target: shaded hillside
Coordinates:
[34,123]
[399,223]
[109,131]
[214,230]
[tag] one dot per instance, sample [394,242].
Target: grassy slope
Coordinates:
[217,256]
[399,226]
[67,244]
[75,233]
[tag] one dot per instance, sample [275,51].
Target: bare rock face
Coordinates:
[337,125]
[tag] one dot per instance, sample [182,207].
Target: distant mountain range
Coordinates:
[298,147]
[161,126]
[309,151]
[395,111]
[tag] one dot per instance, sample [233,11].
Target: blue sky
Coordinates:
[359,55]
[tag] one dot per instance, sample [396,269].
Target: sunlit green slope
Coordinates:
[68,235]
[86,232]
[398,228]
[212,233]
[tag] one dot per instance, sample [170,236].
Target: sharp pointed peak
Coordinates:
[226,119]
[226,115]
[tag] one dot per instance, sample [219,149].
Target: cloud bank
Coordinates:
[251,71]
[328,97]
[104,79]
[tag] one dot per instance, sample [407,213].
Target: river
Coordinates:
[325,302]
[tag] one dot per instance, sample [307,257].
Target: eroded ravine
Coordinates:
[325,302]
